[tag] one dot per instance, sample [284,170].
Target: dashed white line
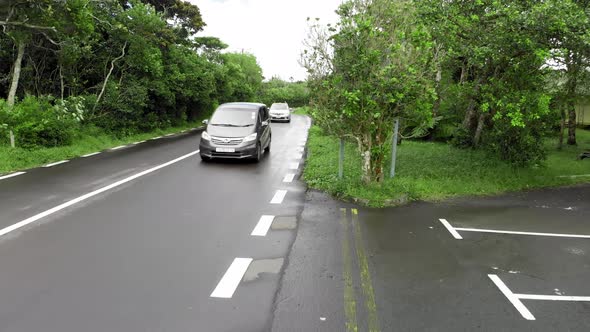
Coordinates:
[118,147]
[294,166]
[451,229]
[11,175]
[278,197]
[512,297]
[289,178]
[231,279]
[90,154]
[263,225]
[56,163]
[60,207]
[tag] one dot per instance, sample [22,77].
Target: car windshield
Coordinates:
[234,117]
[279,107]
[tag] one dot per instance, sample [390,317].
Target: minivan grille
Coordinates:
[226,141]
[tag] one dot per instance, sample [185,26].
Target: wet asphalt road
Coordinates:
[146,255]
[409,273]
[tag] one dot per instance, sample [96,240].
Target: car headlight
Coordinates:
[205,136]
[250,138]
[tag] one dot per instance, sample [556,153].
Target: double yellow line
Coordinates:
[350,298]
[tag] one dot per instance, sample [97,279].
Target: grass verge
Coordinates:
[90,140]
[434,171]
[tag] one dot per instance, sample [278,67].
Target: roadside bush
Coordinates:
[519,146]
[38,123]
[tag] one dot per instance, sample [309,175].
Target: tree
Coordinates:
[372,67]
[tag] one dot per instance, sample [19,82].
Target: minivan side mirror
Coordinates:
[265,123]
[205,122]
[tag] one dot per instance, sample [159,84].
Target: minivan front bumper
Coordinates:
[240,151]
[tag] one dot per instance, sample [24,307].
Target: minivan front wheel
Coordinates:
[258,155]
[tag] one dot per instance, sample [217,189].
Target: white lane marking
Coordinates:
[451,229]
[263,225]
[574,176]
[138,142]
[90,154]
[118,147]
[156,137]
[168,135]
[289,178]
[511,297]
[298,156]
[56,163]
[293,165]
[90,194]
[521,233]
[278,197]
[553,297]
[231,279]
[11,175]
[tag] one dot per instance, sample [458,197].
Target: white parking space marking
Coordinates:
[553,297]
[90,154]
[294,166]
[522,233]
[454,231]
[278,197]
[451,229]
[60,207]
[118,147]
[515,298]
[263,226]
[289,178]
[56,163]
[231,279]
[526,314]
[11,175]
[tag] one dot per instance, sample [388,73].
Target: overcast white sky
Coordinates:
[272,30]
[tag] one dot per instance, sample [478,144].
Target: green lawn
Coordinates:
[92,140]
[434,171]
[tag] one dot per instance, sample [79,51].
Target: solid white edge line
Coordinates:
[451,230]
[156,137]
[118,147]
[60,207]
[526,314]
[521,233]
[298,156]
[168,135]
[231,279]
[574,176]
[11,175]
[289,178]
[553,297]
[263,225]
[56,163]
[90,154]
[278,197]
[293,165]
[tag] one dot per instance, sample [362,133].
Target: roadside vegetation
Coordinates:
[433,171]
[484,92]
[79,76]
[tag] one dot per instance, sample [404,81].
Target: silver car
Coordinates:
[280,112]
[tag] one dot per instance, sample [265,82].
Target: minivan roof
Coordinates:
[243,105]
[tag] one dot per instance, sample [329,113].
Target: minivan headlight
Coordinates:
[250,138]
[205,136]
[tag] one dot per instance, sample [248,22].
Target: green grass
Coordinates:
[304,110]
[92,140]
[434,171]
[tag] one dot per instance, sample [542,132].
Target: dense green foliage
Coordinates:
[296,94]
[434,171]
[127,66]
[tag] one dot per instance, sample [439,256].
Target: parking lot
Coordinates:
[516,262]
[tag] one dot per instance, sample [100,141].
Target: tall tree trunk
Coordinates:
[571,125]
[16,74]
[561,127]
[470,114]
[479,129]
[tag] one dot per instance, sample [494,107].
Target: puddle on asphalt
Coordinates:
[281,223]
[260,266]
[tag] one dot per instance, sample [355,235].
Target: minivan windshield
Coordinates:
[234,117]
[278,106]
